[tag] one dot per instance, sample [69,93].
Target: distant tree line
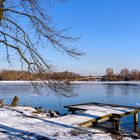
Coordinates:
[24,75]
[124,75]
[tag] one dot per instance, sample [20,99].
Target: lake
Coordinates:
[124,94]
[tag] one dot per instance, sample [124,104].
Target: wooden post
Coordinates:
[1,102]
[72,110]
[1,9]
[111,119]
[94,123]
[15,101]
[117,124]
[136,122]
[1,13]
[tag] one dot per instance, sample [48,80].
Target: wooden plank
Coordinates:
[103,104]
[74,119]
[118,111]
[96,121]
[84,119]
[96,117]
[125,114]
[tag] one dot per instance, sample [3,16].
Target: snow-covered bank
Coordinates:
[107,82]
[76,82]
[20,123]
[19,82]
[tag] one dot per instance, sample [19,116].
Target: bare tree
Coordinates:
[135,74]
[25,27]
[125,74]
[110,74]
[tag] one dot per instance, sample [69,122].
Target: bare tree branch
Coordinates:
[25,26]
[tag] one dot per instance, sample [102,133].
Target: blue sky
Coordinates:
[109,31]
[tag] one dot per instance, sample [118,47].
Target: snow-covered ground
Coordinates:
[106,82]
[20,123]
[76,82]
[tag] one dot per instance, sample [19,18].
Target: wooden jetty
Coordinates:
[94,113]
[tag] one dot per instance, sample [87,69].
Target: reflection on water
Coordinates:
[104,93]
[125,90]
[110,89]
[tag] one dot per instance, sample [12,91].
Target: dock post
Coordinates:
[72,110]
[136,122]
[117,124]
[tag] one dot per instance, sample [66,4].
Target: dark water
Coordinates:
[104,93]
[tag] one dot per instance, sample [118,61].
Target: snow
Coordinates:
[20,123]
[103,110]
[106,82]
[76,82]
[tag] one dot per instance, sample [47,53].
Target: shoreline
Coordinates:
[77,82]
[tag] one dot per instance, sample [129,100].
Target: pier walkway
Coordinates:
[90,114]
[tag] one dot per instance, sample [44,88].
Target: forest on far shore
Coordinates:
[110,75]
[124,75]
[14,75]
